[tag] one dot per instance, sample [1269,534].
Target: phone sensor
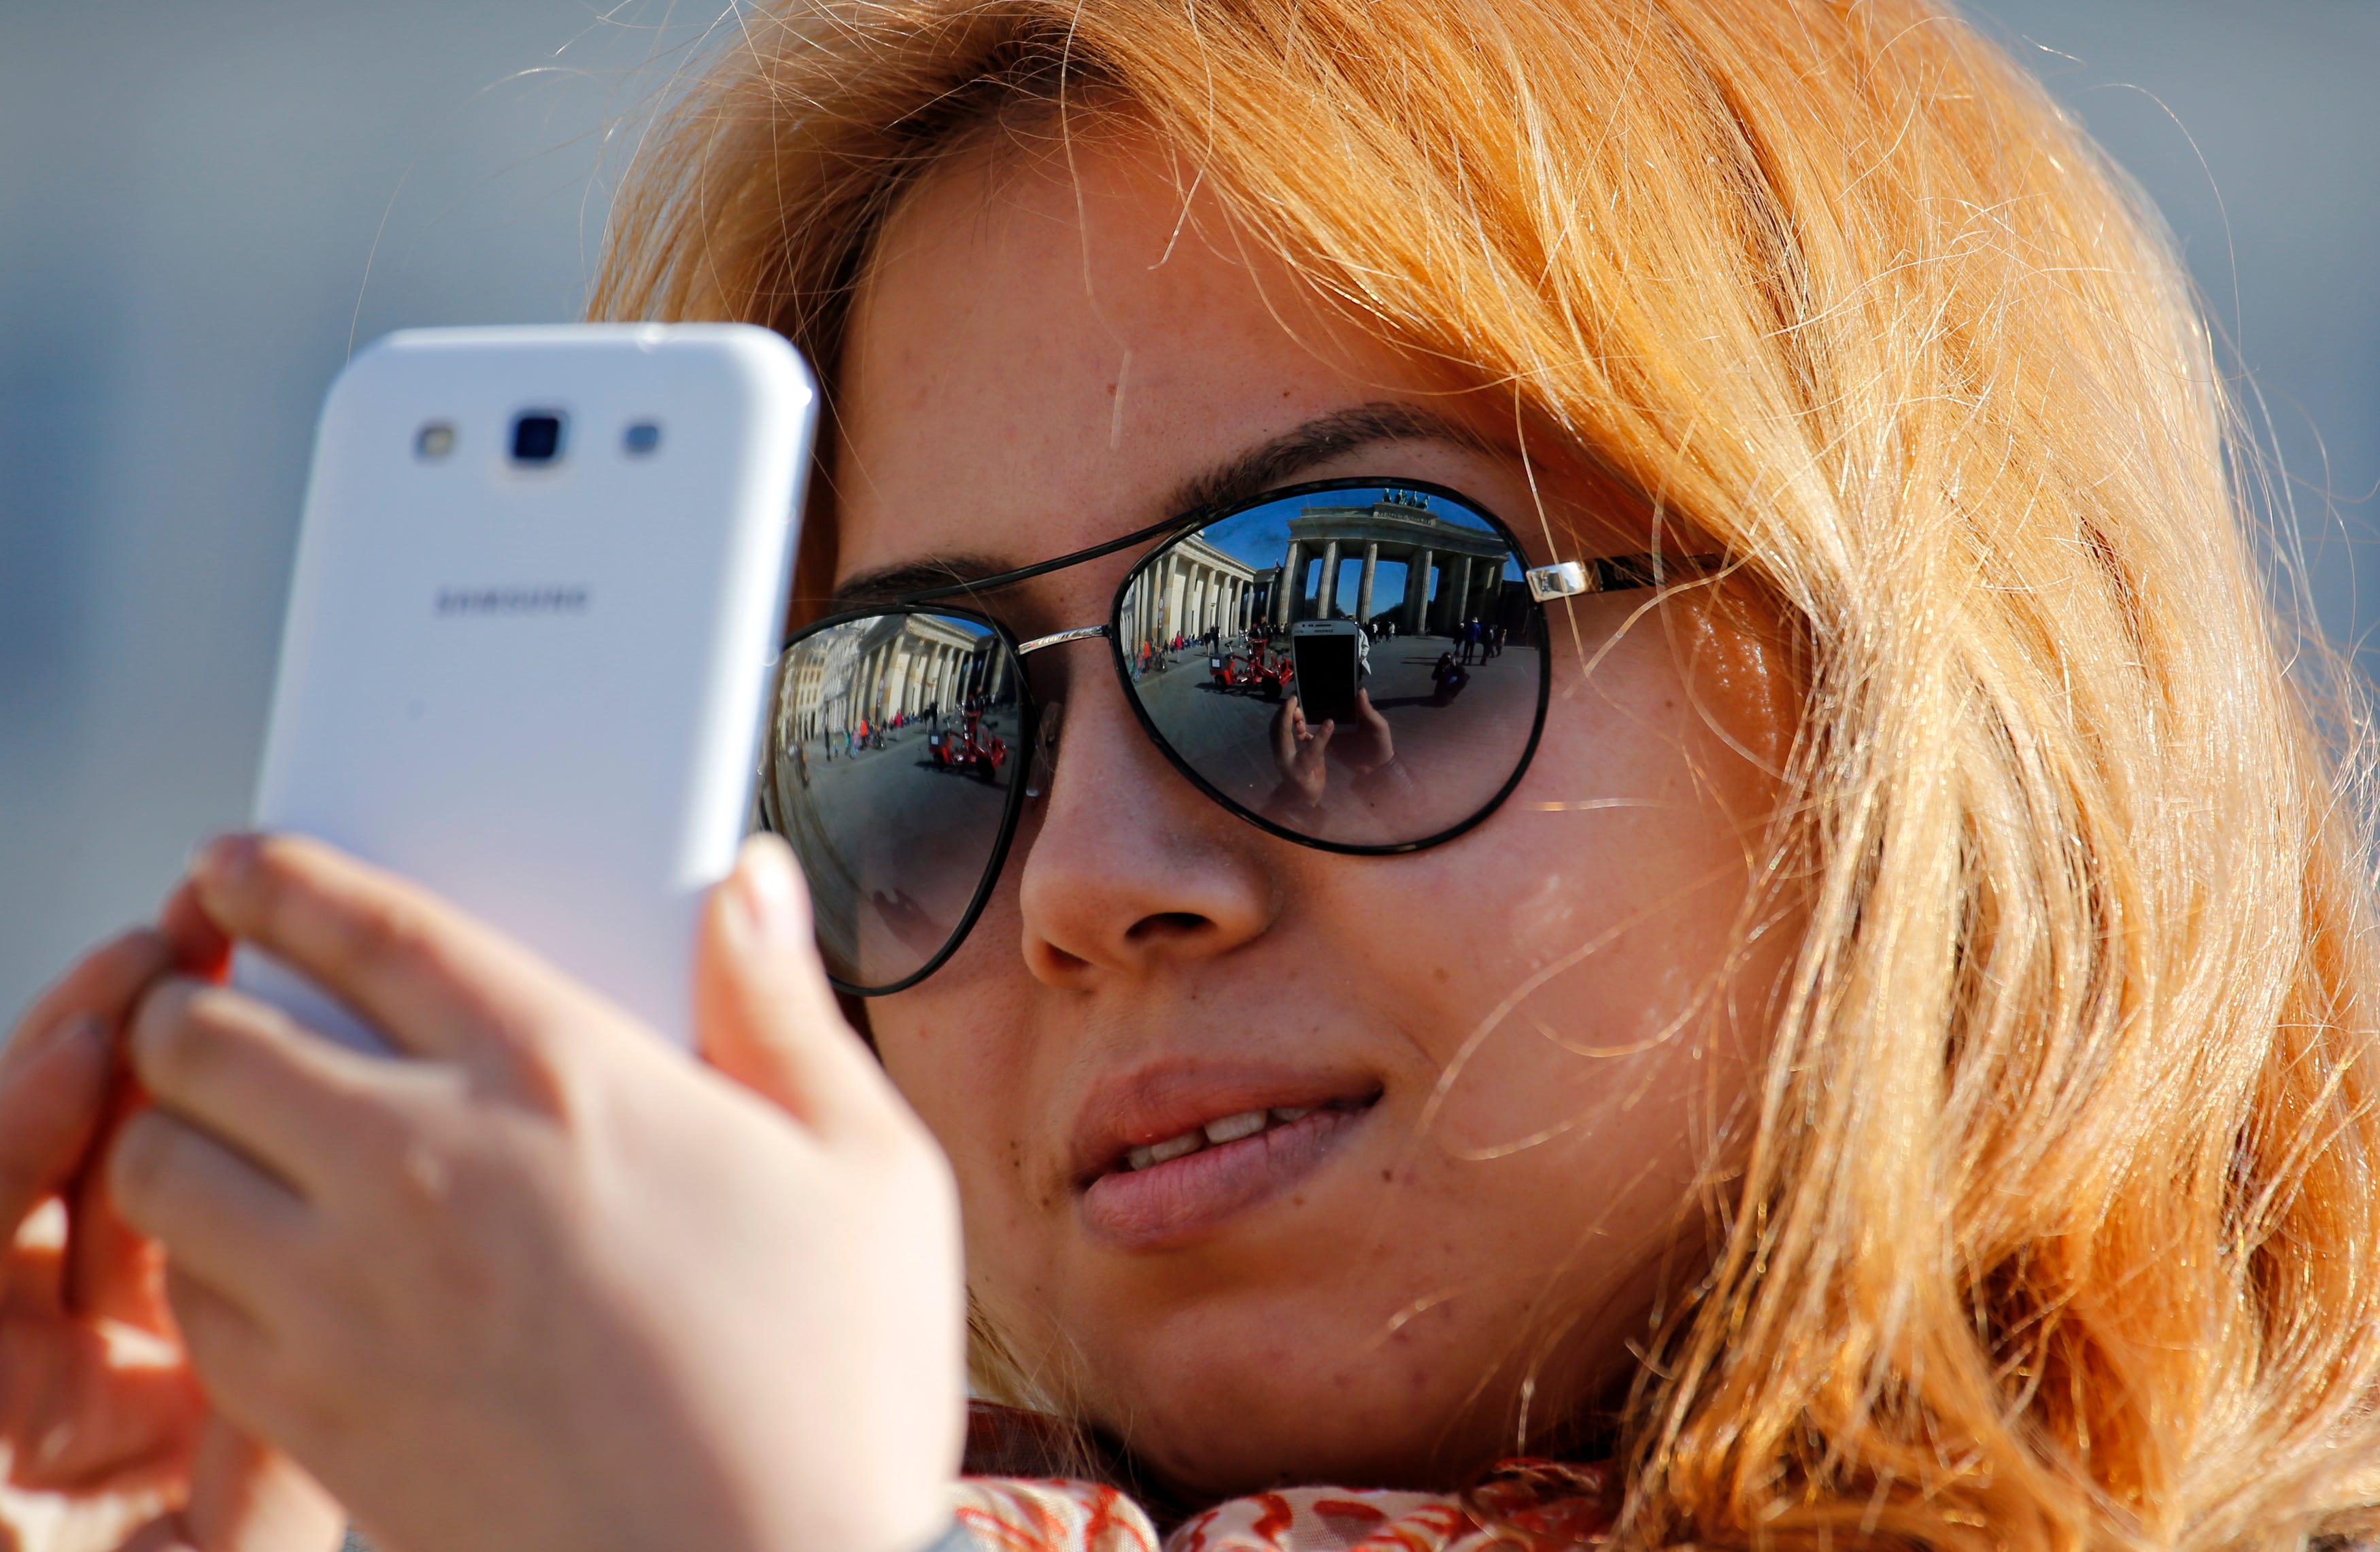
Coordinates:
[537,437]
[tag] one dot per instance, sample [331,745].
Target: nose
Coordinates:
[1132,872]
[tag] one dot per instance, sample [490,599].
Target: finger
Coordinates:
[102,983]
[199,946]
[252,1075]
[219,1217]
[106,1268]
[164,1534]
[88,1412]
[112,1269]
[53,1091]
[764,1013]
[244,1493]
[432,980]
[234,1357]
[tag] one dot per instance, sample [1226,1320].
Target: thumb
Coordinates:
[763,1013]
[245,1493]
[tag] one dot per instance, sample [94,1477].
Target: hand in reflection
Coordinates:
[1364,746]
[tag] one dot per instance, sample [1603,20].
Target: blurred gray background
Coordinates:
[202,206]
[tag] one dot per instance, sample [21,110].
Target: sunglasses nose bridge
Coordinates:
[1043,767]
[1081,633]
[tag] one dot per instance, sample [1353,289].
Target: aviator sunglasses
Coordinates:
[1355,666]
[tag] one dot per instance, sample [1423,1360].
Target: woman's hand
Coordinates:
[106,1440]
[541,1282]
[1365,745]
[1297,750]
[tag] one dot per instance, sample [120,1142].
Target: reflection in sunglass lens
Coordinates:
[1361,667]
[894,753]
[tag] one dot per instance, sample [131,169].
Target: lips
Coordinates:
[1166,1155]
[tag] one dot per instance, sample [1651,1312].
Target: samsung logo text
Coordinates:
[542,600]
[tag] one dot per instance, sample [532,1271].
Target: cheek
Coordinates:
[1587,1014]
[1605,912]
[969,1084]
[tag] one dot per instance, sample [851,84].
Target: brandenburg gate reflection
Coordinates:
[899,665]
[1195,589]
[1466,565]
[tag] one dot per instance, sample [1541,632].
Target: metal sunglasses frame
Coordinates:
[1562,579]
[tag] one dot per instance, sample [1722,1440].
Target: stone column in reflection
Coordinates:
[1364,584]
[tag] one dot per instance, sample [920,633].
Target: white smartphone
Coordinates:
[1329,658]
[538,586]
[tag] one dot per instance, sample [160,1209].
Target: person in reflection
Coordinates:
[1446,677]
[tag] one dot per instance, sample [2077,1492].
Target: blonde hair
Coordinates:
[2058,1224]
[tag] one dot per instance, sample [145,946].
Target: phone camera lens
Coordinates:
[641,438]
[433,440]
[537,437]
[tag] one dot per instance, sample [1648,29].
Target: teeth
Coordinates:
[1229,1129]
[1232,1128]
[1157,1153]
[1175,1147]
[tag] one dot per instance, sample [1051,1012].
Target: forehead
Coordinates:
[1049,346]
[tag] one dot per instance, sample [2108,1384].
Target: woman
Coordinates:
[1892,1059]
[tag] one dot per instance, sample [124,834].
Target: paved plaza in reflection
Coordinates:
[1228,732]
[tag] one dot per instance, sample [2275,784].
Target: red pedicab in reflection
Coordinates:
[975,750]
[1270,672]
[1262,670]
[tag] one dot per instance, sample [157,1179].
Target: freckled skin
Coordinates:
[1373,1325]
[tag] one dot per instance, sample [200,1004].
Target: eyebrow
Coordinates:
[1234,482]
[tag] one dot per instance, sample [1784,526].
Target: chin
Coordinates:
[1239,1415]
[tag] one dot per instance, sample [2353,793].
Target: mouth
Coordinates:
[1202,1171]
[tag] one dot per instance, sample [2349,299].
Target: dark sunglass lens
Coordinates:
[894,749]
[1357,666]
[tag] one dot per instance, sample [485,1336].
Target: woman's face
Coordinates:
[1509,1040]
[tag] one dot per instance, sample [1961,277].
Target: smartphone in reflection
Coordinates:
[1327,655]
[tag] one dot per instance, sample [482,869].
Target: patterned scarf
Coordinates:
[1016,1498]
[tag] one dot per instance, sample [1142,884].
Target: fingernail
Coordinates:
[769,894]
[73,1029]
[224,862]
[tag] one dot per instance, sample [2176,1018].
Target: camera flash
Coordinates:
[641,438]
[434,440]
